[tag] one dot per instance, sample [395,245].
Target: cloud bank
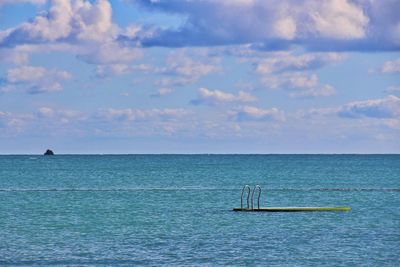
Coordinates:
[249,113]
[216,97]
[278,24]
[66,20]
[383,108]
[37,79]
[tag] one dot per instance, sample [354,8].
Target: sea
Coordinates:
[176,210]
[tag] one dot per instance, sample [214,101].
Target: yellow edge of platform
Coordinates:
[294,209]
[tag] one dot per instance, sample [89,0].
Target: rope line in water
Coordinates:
[191,189]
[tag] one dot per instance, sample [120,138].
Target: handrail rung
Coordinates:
[248,196]
[258,198]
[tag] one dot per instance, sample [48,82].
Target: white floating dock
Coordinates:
[252,208]
[293,209]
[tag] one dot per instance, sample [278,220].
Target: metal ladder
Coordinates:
[248,189]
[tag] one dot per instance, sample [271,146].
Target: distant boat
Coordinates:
[49,152]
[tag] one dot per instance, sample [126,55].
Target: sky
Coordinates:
[199,76]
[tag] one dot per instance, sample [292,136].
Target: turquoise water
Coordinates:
[124,210]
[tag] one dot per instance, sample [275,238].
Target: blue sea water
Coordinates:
[128,210]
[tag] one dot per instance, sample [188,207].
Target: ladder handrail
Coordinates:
[248,196]
[258,198]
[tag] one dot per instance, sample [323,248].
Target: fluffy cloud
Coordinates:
[182,68]
[38,79]
[130,115]
[285,70]
[103,71]
[257,21]
[45,121]
[65,21]
[271,25]
[298,84]
[249,113]
[12,56]
[162,92]
[57,116]
[13,123]
[210,97]
[284,61]
[110,53]
[391,66]
[101,122]
[325,24]
[79,27]
[337,19]
[111,58]
[186,68]
[383,108]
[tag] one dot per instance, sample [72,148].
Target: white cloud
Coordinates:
[180,64]
[64,122]
[298,84]
[31,74]
[45,112]
[66,21]
[162,92]
[103,71]
[320,91]
[182,68]
[25,74]
[391,66]
[132,30]
[283,70]
[111,58]
[48,121]
[35,2]
[79,27]
[110,53]
[13,56]
[336,19]
[38,79]
[58,47]
[59,116]
[174,81]
[284,61]
[130,115]
[274,23]
[388,107]
[45,87]
[381,108]
[215,97]
[249,113]
[13,123]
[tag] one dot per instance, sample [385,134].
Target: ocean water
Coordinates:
[174,210]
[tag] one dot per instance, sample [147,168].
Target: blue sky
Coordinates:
[186,76]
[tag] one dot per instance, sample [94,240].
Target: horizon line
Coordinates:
[149,154]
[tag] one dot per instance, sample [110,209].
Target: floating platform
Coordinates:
[253,208]
[293,209]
